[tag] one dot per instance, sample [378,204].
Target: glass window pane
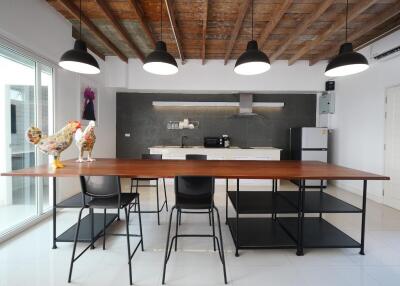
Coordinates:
[22,105]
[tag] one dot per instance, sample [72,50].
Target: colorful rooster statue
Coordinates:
[54,144]
[85,141]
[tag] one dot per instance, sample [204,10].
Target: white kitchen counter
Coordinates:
[232,153]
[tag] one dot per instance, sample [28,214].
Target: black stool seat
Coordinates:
[144,179]
[188,204]
[112,202]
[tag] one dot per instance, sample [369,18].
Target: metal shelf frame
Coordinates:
[91,225]
[304,232]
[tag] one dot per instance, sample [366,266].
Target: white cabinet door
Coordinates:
[314,137]
[316,155]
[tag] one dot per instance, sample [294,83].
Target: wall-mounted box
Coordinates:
[327,103]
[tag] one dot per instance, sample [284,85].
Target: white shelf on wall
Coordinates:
[214,104]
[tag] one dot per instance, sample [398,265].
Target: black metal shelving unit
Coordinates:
[91,225]
[287,225]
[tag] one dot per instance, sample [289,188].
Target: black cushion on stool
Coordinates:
[126,199]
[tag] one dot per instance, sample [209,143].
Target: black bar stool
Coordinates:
[149,185]
[104,192]
[194,193]
[194,157]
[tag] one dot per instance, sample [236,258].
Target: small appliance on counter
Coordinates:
[213,142]
[227,141]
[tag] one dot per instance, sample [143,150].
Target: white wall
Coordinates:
[358,135]
[36,26]
[214,76]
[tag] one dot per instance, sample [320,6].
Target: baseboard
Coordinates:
[14,231]
[351,189]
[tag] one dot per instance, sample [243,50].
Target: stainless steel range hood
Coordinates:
[246,105]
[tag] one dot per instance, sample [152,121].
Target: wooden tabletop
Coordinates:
[218,169]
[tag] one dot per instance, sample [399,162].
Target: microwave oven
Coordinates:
[213,142]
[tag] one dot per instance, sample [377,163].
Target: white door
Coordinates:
[392,148]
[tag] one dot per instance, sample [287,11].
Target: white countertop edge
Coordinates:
[204,148]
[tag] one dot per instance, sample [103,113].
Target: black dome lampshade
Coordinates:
[252,61]
[79,60]
[160,61]
[347,62]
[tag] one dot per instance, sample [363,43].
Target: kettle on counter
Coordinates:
[226,140]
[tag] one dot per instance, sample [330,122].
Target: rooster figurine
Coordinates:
[54,144]
[85,141]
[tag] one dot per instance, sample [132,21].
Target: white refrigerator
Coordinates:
[309,144]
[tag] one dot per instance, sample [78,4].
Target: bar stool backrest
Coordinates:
[152,156]
[194,191]
[100,186]
[196,157]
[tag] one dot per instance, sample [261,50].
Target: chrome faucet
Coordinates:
[183,141]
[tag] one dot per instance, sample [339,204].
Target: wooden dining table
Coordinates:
[226,169]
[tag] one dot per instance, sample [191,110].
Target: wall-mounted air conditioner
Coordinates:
[386,48]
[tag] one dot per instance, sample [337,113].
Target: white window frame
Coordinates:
[39,62]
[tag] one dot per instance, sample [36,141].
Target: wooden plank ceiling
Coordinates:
[220,29]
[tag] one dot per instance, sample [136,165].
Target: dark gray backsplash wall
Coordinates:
[147,125]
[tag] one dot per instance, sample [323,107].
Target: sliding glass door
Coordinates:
[26,99]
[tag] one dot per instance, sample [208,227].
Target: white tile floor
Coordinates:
[29,260]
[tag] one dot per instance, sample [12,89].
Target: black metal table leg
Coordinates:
[165,195]
[54,213]
[237,218]
[321,190]
[158,205]
[91,228]
[226,202]
[300,219]
[274,190]
[364,205]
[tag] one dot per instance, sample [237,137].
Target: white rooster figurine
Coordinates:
[85,141]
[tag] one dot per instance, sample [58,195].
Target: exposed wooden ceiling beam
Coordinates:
[119,28]
[142,20]
[71,7]
[239,21]
[272,23]
[75,35]
[175,30]
[303,27]
[203,43]
[379,19]
[356,10]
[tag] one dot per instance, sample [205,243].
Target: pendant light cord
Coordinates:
[80,20]
[252,20]
[347,15]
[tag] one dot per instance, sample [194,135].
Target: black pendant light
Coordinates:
[348,61]
[78,59]
[252,61]
[160,61]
